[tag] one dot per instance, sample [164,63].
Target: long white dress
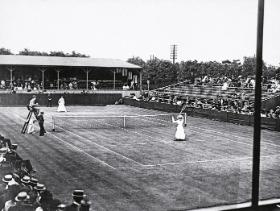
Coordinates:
[61,105]
[31,127]
[180,133]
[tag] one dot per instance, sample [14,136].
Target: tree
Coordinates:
[57,53]
[28,52]
[137,61]
[76,54]
[5,51]
[249,66]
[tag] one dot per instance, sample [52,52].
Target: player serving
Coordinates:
[180,133]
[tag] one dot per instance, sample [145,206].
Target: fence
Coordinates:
[267,123]
[7,99]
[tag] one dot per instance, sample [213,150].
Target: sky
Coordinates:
[203,30]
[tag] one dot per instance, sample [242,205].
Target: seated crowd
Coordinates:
[30,85]
[233,103]
[21,190]
[270,85]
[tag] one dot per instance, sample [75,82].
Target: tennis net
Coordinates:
[117,122]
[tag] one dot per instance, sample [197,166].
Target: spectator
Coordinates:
[125,87]
[5,193]
[13,192]
[49,100]
[3,84]
[78,196]
[40,119]
[85,204]
[21,203]
[46,199]
[70,86]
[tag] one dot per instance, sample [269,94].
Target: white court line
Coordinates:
[101,146]
[133,143]
[240,137]
[221,137]
[10,124]
[201,140]
[209,161]
[203,161]
[76,148]
[80,150]
[214,131]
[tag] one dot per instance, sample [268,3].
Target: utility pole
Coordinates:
[257,105]
[173,53]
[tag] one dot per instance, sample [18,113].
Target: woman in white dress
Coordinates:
[61,105]
[180,133]
[31,127]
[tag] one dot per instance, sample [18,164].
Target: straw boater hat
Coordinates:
[25,180]
[61,206]
[78,193]
[33,181]
[40,187]
[7,178]
[22,196]
[3,151]
[14,146]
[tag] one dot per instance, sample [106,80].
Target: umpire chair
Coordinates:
[32,110]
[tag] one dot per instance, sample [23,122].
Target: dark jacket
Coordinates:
[40,119]
[72,207]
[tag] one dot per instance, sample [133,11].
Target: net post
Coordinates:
[124,122]
[185,119]
[53,125]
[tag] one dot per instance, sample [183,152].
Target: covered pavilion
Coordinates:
[58,70]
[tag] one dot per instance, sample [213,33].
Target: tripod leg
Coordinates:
[26,122]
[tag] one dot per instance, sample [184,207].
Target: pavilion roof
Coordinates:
[20,60]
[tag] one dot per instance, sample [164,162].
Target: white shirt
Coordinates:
[32,102]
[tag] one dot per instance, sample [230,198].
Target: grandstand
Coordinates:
[185,89]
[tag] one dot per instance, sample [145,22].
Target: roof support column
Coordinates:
[57,79]
[141,78]
[43,77]
[11,69]
[87,72]
[114,86]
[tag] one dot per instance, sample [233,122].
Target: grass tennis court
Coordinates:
[142,168]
